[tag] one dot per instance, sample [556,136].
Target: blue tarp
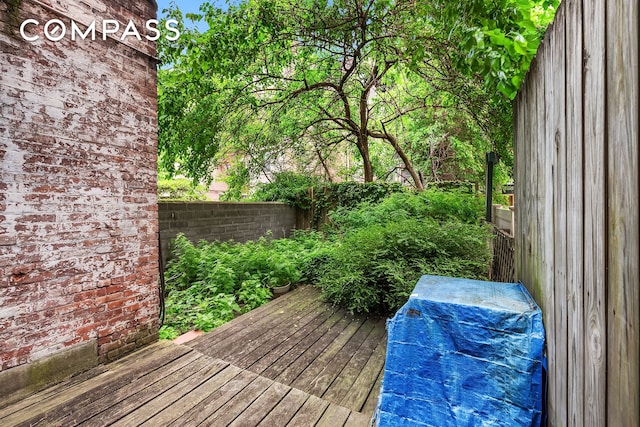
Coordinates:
[464,353]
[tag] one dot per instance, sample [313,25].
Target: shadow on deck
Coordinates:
[293,362]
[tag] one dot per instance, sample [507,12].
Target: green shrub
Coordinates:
[351,194]
[369,260]
[208,283]
[288,187]
[435,204]
[375,268]
[180,189]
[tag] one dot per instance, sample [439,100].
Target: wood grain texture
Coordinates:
[327,351]
[595,340]
[520,150]
[181,406]
[578,213]
[560,174]
[544,267]
[575,214]
[623,285]
[286,409]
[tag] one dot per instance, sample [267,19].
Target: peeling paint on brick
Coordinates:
[78,205]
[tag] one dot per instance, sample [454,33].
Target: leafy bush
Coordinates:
[351,194]
[207,283]
[346,196]
[368,260]
[287,187]
[435,204]
[180,189]
[309,192]
[375,268]
[387,246]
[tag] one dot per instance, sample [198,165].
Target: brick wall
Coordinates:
[78,204]
[223,221]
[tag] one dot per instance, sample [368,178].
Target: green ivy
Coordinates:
[348,195]
[288,187]
[13,17]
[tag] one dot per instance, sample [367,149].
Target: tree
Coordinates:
[487,47]
[283,76]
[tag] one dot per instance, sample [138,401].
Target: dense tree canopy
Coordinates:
[396,82]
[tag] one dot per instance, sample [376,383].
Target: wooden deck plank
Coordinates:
[333,360]
[59,405]
[252,328]
[275,361]
[334,416]
[286,409]
[103,396]
[233,408]
[176,385]
[365,385]
[296,343]
[351,372]
[256,334]
[201,411]
[253,318]
[372,400]
[261,406]
[77,385]
[310,413]
[130,397]
[287,368]
[179,408]
[284,340]
[173,394]
[357,419]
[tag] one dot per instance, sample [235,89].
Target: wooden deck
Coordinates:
[294,362]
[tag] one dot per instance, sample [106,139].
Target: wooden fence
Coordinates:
[577,217]
[502,266]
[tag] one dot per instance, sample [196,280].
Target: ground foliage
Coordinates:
[367,259]
[209,283]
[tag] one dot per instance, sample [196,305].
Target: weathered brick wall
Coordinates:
[223,221]
[78,204]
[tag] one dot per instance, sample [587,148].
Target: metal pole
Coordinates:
[491,159]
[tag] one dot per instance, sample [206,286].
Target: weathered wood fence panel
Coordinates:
[577,222]
[594,291]
[623,316]
[574,215]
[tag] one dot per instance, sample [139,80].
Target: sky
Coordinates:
[187,6]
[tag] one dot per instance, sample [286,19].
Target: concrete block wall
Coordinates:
[78,198]
[503,218]
[223,221]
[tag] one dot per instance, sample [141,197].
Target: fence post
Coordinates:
[491,158]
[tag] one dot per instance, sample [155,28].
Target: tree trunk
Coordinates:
[324,165]
[407,162]
[363,137]
[363,148]
[368,170]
